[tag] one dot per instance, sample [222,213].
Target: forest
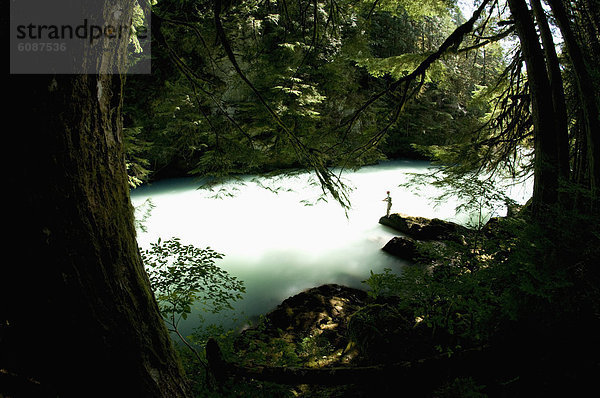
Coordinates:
[504,304]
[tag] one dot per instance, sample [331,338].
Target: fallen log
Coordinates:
[421,371]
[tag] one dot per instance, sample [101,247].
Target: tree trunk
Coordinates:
[79,317]
[557,87]
[545,186]
[586,91]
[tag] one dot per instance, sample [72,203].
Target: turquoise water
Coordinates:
[280,239]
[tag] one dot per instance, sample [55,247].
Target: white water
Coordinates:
[277,244]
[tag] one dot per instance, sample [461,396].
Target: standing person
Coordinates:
[389,203]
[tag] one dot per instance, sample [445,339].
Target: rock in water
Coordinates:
[422,228]
[403,247]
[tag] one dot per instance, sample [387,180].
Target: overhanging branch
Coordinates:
[450,44]
[329,182]
[453,41]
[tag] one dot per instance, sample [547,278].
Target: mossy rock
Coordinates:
[422,228]
[311,324]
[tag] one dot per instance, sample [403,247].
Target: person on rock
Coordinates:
[389,203]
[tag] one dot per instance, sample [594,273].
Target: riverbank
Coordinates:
[472,308]
[178,170]
[333,326]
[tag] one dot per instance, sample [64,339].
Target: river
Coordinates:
[280,239]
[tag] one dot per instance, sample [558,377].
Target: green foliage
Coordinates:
[142,213]
[275,352]
[453,303]
[464,387]
[314,64]
[258,352]
[383,333]
[135,161]
[415,8]
[517,276]
[384,284]
[399,66]
[202,382]
[481,196]
[314,347]
[184,276]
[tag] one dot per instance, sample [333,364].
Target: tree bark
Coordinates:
[79,317]
[557,88]
[586,91]
[545,185]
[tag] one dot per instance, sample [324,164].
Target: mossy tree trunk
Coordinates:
[79,317]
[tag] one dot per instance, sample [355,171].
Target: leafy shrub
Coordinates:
[182,276]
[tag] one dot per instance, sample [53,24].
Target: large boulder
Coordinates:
[310,326]
[402,247]
[422,228]
[319,307]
